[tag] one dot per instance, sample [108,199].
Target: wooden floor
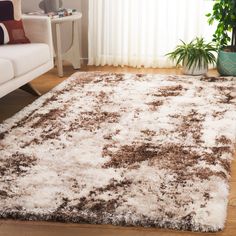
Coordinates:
[18,99]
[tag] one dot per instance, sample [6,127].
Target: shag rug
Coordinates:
[122,149]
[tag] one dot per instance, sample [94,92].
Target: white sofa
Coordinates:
[21,63]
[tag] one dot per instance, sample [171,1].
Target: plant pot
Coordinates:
[226,63]
[195,70]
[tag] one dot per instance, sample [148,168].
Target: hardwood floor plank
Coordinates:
[45,229]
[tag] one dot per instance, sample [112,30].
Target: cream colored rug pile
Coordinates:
[122,149]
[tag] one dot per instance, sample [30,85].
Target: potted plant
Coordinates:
[194,56]
[224,12]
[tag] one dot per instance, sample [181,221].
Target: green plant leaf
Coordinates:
[195,53]
[224,12]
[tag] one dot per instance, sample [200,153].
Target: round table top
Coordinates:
[73,17]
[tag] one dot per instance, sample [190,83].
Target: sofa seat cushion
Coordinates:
[7,71]
[25,57]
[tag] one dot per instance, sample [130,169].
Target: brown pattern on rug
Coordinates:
[122,149]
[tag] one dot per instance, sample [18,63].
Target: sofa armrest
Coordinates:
[38,30]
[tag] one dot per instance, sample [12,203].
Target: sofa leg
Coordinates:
[30,89]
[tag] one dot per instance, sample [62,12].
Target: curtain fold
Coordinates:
[140,32]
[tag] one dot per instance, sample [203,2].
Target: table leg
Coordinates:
[59,51]
[76,42]
[73,54]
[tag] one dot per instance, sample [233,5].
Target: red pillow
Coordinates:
[15,31]
[11,27]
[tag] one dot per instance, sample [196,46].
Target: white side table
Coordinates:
[73,54]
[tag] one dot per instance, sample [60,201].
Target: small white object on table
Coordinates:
[73,54]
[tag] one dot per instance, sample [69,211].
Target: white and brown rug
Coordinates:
[143,150]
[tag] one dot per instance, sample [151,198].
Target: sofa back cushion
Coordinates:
[11,27]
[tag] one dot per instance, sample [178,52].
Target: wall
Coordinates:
[80,5]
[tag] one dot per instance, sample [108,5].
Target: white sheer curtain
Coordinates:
[140,32]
